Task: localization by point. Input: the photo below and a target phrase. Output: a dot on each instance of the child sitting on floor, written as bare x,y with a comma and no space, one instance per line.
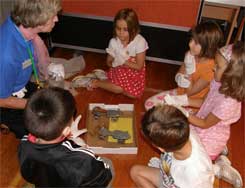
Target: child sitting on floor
183,163
220,108
195,74
47,158
126,59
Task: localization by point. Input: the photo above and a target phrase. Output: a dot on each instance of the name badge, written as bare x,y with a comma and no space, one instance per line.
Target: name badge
26,64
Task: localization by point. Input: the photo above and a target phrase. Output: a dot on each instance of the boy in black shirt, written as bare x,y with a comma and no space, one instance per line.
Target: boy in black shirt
47,158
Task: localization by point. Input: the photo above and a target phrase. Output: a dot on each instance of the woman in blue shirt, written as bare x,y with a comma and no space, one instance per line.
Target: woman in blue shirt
28,18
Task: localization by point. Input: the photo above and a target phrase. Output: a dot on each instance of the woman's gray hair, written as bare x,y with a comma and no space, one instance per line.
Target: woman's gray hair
32,13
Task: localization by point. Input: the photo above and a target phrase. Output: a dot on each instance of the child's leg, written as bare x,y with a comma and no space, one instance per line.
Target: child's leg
158,98
106,85
144,176
128,95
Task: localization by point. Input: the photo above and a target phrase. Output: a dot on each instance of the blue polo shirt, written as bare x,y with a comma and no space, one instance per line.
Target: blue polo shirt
15,63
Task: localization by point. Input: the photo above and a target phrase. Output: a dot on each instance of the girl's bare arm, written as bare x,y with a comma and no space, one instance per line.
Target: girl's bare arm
182,69
195,102
198,86
109,60
204,123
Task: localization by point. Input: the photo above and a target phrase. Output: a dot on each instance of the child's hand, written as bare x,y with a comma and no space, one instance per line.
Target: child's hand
176,100
131,60
75,132
118,61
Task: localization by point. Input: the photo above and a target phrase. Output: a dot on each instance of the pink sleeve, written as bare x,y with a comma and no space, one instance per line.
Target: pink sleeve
227,109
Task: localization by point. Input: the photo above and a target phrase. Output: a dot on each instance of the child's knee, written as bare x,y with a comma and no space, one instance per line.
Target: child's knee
135,171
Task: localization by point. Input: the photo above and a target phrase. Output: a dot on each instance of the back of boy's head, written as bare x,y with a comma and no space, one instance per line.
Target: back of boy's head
209,36
131,18
233,78
48,112
166,127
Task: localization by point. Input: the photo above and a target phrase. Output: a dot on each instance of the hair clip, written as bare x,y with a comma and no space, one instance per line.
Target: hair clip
226,52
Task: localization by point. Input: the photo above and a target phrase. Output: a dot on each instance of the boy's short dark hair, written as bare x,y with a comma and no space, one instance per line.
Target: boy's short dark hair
166,127
48,112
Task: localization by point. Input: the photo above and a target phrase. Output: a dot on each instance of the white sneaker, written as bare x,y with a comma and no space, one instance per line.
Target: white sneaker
91,75
81,81
223,159
227,172
100,74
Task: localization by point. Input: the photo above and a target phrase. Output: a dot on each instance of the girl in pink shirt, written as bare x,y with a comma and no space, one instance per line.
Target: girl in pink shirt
222,105
220,108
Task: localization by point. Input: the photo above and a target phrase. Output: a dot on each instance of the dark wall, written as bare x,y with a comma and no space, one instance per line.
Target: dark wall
93,33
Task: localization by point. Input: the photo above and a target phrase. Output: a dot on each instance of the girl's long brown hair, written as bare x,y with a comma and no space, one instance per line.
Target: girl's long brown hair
131,18
233,78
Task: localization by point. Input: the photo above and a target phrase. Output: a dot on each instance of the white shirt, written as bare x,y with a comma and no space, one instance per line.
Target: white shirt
121,54
195,171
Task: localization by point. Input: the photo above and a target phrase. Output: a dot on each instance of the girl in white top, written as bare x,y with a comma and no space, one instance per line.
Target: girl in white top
126,57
